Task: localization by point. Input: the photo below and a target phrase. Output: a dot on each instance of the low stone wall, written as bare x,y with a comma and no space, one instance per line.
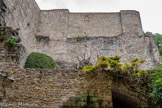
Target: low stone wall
43,88
50,88
54,88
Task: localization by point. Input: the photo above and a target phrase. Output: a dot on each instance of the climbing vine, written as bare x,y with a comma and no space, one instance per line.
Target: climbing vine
147,83
113,64
156,85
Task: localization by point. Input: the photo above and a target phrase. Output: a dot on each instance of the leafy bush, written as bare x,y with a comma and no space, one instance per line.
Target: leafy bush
156,85
113,64
88,69
108,62
160,51
159,40
39,60
11,42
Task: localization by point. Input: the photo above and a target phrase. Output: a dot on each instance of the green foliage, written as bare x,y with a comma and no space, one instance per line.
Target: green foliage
141,73
156,85
113,64
79,38
159,40
39,60
144,34
11,42
160,51
108,62
101,64
160,56
88,69
127,67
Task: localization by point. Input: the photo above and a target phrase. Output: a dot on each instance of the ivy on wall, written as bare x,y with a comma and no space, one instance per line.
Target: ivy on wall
149,82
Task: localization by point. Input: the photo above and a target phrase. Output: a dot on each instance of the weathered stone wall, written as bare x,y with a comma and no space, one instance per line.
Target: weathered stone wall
128,46
94,24
107,34
24,16
45,88
10,58
2,13
53,88
55,33
131,22
54,24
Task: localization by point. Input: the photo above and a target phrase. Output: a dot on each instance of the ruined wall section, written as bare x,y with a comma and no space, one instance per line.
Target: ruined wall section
101,34
54,23
152,52
128,46
52,33
55,33
23,15
2,13
94,24
131,22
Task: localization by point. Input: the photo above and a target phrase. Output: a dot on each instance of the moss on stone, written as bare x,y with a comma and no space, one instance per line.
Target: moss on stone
39,60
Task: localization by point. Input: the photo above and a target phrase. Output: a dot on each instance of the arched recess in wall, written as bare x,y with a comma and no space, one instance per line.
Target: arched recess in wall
124,100
124,97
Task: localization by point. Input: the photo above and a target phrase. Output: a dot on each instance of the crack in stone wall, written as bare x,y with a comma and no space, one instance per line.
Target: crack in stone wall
2,13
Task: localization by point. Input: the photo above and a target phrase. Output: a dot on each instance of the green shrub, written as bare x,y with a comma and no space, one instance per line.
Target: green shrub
113,64
39,60
88,69
160,51
11,42
156,85
159,40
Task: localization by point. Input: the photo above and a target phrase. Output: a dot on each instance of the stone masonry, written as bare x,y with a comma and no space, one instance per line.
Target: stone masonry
37,88
66,37
69,38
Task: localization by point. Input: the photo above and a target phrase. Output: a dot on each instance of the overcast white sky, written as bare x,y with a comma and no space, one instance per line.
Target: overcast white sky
150,10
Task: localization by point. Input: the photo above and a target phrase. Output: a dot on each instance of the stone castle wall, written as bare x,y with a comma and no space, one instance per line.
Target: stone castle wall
44,88
56,88
94,24
23,15
55,33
